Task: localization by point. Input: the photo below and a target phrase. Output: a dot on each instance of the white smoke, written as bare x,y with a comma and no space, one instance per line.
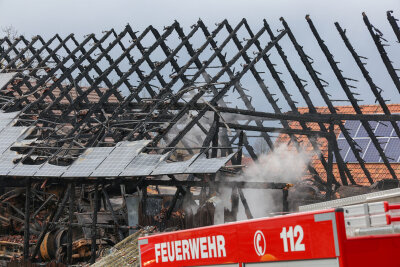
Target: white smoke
282,165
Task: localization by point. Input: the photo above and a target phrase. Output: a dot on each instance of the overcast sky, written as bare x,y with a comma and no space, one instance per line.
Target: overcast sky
47,17
85,16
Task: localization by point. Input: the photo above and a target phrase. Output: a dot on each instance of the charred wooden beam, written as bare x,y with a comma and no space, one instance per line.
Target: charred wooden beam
376,36
27,217
392,20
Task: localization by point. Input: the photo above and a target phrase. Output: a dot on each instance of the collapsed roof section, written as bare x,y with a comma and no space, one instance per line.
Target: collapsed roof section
84,100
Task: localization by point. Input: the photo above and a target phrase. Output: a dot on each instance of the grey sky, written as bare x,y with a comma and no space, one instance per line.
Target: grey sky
47,17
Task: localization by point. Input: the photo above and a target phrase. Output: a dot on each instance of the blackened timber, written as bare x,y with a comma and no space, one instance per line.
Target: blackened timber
71,187
306,117
34,71
94,223
113,214
311,108
132,61
275,130
225,89
99,79
51,74
350,96
253,185
132,69
214,150
22,52
81,75
175,98
368,78
245,204
330,178
230,73
385,58
27,217
286,95
10,48
164,95
313,74
392,20
55,215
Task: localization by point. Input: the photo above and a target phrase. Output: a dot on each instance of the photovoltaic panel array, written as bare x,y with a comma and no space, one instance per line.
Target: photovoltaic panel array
385,134
6,161
5,78
7,118
9,135
142,165
119,158
88,162
24,170
204,165
50,170
173,167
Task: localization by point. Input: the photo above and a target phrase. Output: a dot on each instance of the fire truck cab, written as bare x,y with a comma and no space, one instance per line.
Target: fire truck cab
359,235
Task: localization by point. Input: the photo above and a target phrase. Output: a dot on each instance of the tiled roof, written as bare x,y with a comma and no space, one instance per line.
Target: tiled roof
378,171
93,97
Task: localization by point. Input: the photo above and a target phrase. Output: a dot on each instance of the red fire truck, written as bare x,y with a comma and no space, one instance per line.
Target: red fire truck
360,235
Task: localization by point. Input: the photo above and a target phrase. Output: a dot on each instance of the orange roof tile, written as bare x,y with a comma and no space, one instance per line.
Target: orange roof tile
378,171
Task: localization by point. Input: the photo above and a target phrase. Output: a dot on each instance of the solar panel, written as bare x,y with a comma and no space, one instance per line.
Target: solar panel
362,132
50,170
9,135
173,167
384,129
362,143
142,165
352,127
394,133
5,78
204,165
7,118
87,162
24,170
136,144
6,161
372,155
117,160
343,148
392,150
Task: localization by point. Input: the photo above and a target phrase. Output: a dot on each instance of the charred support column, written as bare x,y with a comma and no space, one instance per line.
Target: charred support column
71,187
214,151
329,173
285,202
235,203
114,216
245,204
27,215
94,222
382,52
392,20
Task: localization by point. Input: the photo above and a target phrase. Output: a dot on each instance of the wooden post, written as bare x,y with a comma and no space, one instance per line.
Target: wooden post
114,216
245,204
94,222
285,202
27,215
71,187
330,177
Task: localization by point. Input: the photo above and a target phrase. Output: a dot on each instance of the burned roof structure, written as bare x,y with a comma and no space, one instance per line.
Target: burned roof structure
174,108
